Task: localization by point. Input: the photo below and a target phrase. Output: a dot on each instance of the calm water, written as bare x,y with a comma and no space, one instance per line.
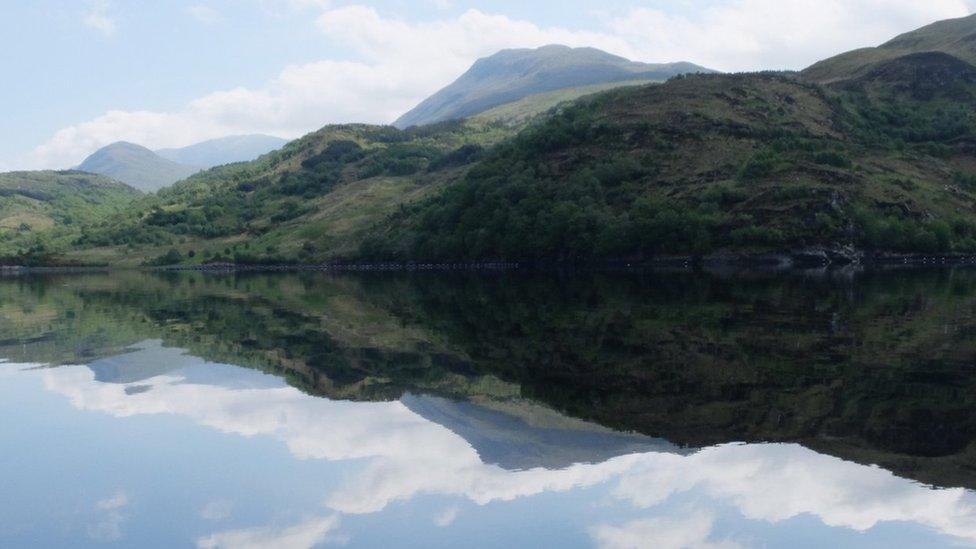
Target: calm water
664,410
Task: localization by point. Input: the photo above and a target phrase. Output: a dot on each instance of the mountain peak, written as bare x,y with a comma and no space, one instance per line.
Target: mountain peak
513,74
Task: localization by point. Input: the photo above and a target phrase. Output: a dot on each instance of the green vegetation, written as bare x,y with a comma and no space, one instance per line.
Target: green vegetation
748,162
313,200
754,163
42,212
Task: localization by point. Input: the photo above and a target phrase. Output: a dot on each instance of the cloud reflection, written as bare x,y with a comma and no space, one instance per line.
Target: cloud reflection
109,525
666,532
406,455
300,536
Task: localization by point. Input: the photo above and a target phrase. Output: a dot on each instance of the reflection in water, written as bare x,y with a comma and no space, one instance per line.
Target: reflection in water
407,389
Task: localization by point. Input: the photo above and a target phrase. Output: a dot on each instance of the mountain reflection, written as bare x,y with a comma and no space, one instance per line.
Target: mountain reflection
522,374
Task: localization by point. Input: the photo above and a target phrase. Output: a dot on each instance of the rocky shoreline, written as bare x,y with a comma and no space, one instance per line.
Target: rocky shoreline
800,259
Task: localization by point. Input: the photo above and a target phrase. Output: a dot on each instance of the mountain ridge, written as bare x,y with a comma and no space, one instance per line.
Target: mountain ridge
150,171
223,150
513,74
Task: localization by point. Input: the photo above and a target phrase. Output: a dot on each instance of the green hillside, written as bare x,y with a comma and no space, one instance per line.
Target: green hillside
702,165
37,208
956,37
314,200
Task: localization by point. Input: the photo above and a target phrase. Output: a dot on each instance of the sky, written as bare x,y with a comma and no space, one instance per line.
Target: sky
81,74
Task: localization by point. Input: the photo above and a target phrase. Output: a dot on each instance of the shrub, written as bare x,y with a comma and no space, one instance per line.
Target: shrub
757,235
172,257
833,158
762,164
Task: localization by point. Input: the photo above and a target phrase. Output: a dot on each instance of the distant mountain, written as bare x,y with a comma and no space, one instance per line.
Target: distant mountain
136,166
226,150
511,75
955,37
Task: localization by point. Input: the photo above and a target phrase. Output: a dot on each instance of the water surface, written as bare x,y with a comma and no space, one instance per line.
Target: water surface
667,410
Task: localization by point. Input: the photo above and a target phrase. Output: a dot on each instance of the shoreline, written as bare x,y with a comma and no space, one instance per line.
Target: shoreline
816,260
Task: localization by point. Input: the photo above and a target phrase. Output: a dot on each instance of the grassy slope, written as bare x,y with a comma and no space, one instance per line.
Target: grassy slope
953,36
49,207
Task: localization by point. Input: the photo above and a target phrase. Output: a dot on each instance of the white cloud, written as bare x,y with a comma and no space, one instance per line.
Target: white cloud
97,18
754,478
395,64
109,526
694,531
204,14
446,517
737,35
300,536
216,510
282,7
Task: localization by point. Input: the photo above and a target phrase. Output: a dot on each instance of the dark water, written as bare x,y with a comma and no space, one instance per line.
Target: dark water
627,410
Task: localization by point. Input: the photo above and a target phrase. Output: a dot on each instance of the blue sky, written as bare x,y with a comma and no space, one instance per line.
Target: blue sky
83,73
